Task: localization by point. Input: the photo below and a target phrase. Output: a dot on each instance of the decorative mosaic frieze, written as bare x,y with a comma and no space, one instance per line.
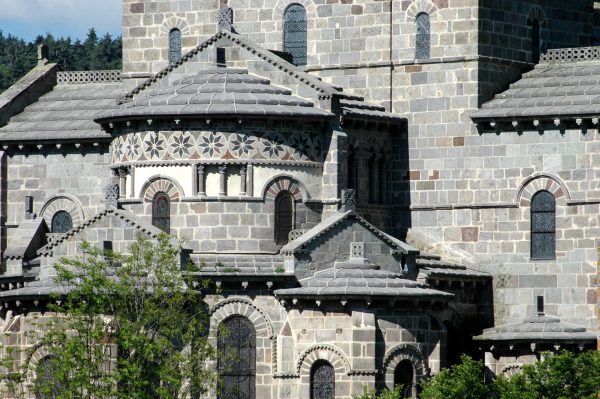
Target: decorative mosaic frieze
204,145
571,54
88,76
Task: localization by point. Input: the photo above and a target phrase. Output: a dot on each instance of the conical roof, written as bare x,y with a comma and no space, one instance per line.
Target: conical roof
219,91
360,279
538,328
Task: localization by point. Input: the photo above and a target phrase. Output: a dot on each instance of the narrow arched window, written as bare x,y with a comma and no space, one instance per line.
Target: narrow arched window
423,40
543,225
61,222
295,33
284,217
174,45
404,375
47,384
322,380
536,41
161,212
236,359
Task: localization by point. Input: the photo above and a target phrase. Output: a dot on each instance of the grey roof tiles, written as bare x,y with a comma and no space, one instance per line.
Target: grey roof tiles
348,280
538,328
216,92
65,113
566,89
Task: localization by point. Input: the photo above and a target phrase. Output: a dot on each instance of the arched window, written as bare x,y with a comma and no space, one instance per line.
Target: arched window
46,385
322,380
404,375
295,34
174,45
536,42
423,41
61,222
161,212
373,179
543,225
236,359
284,217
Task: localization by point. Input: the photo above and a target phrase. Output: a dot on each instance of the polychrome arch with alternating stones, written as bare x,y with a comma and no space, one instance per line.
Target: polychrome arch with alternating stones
162,184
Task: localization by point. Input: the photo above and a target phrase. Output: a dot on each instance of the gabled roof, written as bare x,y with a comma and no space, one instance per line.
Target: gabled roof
566,84
110,211
300,243
325,90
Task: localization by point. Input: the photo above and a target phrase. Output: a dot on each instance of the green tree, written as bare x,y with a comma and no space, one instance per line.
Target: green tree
462,381
557,376
126,326
396,393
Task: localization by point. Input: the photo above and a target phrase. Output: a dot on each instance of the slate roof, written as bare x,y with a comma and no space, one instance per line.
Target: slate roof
299,244
26,238
558,87
235,265
216,92
350,279
538,328
434,267
65,113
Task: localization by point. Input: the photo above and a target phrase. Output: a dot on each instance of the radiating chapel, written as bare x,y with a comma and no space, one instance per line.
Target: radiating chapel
371,187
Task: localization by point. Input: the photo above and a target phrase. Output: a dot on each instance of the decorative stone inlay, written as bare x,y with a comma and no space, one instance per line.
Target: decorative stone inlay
162,185
181,145
207,145
571,54
155,146
242,145
281,184
76,77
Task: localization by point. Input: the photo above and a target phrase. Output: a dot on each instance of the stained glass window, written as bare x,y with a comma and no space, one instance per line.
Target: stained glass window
423,42
161,212
46,385
174,45
322,380
284,217
61,222
295,33
543,226
236,361
403,375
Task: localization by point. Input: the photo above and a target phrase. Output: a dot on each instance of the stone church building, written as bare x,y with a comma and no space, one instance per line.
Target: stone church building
371,187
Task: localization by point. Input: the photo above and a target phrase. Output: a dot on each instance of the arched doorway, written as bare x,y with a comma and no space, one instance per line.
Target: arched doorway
404,375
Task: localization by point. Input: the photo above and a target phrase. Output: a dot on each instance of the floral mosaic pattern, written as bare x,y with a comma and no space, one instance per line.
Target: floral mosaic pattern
185,145
155,146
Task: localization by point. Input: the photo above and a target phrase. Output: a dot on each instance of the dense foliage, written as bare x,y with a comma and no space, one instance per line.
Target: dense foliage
556,376
462,381
560,376
18,57
396,393
127,326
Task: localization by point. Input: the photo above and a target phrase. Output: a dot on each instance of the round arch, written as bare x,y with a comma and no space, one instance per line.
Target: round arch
283,182
543,181
401,352
63,202
159,183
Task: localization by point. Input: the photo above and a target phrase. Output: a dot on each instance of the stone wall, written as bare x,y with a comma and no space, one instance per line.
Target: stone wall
485,218
57,180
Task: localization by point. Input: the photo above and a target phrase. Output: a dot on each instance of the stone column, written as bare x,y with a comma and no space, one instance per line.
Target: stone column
250,180
200,181
375,179
122,173
243,180
223,180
